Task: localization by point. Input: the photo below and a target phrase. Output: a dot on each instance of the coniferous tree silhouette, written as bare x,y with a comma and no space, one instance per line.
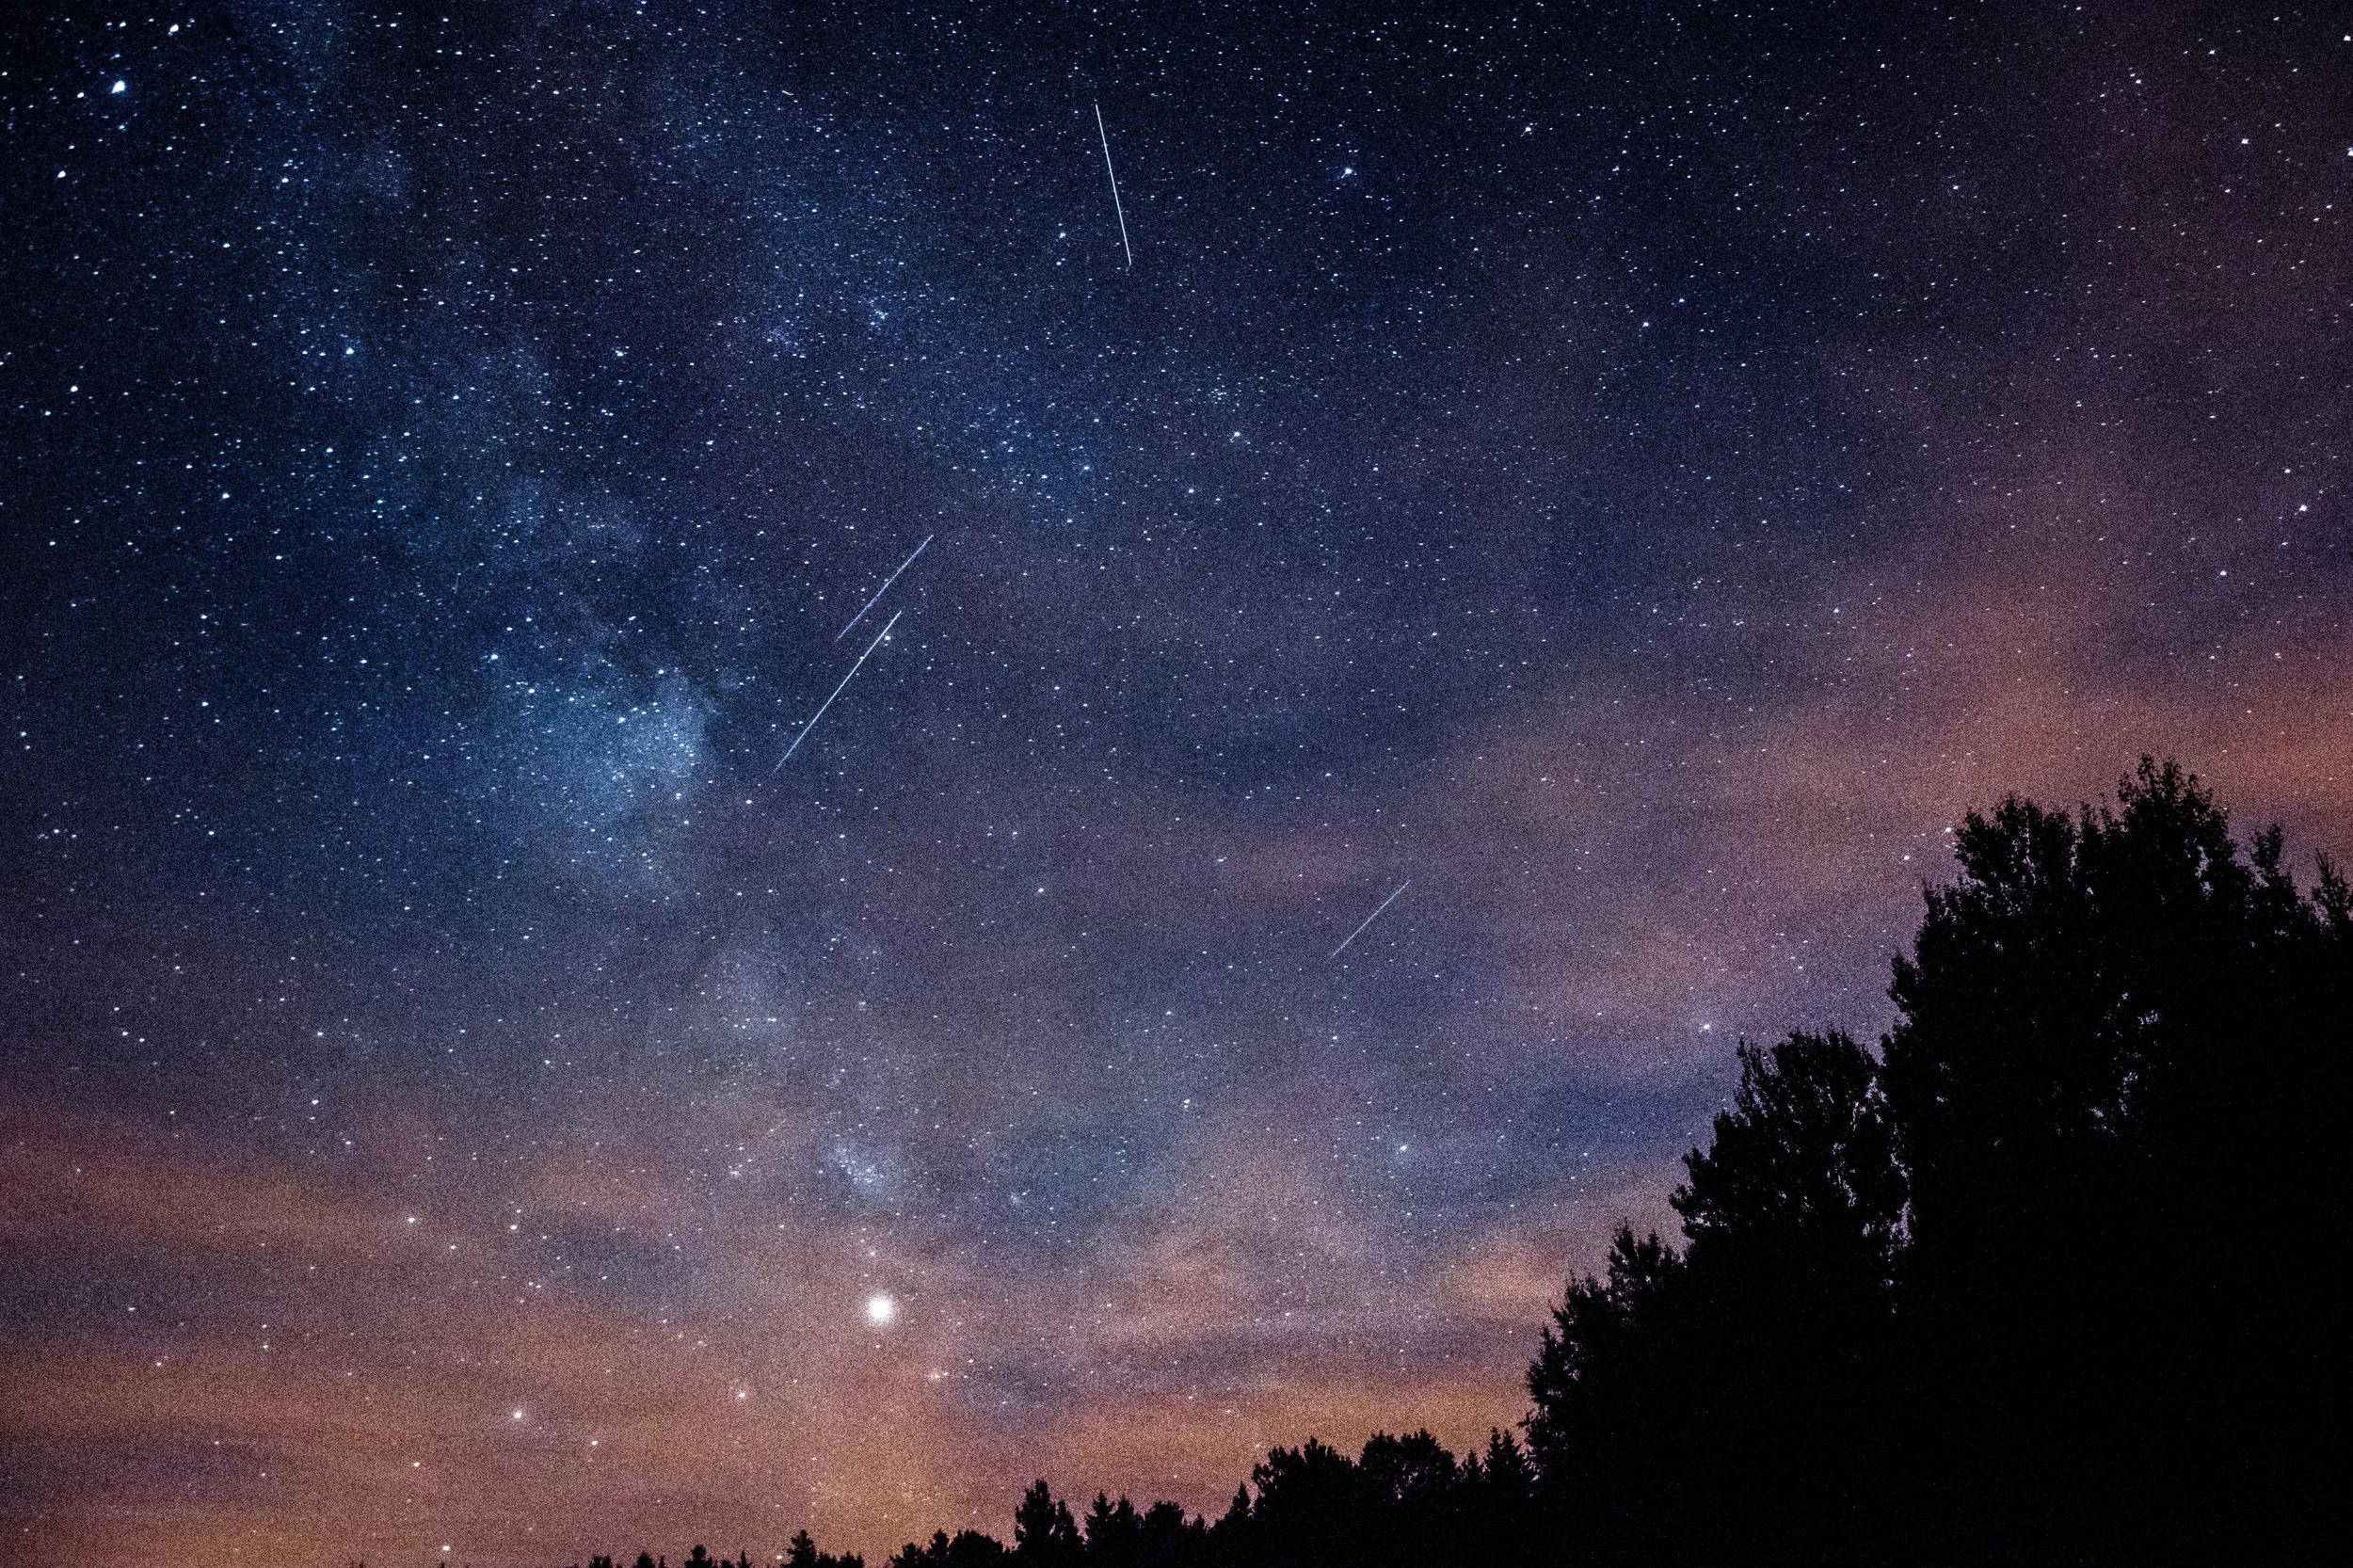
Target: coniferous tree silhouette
1044,1534
965,1549
1115,1534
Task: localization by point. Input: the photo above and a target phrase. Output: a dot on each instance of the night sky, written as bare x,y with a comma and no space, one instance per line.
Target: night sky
1622,480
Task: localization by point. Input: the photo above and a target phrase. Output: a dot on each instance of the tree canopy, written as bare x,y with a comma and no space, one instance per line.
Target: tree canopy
2044,1278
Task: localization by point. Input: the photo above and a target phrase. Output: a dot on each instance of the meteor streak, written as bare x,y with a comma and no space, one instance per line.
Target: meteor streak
1116,209
1370,918
837,692
884,589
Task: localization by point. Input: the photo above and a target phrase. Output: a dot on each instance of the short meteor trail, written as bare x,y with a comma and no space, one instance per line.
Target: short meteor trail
1117,208
884,589
837,692
1370,918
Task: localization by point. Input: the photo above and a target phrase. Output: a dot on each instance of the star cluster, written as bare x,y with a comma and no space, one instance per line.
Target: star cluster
1614,482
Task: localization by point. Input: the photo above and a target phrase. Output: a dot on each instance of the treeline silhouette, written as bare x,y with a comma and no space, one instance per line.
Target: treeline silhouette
2043,1279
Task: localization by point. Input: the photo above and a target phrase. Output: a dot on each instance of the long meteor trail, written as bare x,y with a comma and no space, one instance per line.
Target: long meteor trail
884,589
837,692
1370,918
1116,209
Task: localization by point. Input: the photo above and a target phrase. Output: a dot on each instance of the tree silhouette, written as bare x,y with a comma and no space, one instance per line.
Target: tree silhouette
1794,1217
2045,1280
966,1549
2116,1037
1607,1430
2035,1286
1114,1532
801,1552
1167,1539
1801,1171
1044,1534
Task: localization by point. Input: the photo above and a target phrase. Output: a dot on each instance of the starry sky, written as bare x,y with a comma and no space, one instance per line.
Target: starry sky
1615,483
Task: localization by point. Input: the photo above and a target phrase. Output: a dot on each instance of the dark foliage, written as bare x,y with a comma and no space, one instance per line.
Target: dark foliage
1725,1403
966,1549
2036,1285
2044,1280
2119,1045
1406,1500
1044,1533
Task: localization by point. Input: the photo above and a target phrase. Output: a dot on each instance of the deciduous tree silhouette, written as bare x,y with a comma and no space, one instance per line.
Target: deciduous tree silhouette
1793,1217
1608,1423
2113,1084
2047,1280
2042,1287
